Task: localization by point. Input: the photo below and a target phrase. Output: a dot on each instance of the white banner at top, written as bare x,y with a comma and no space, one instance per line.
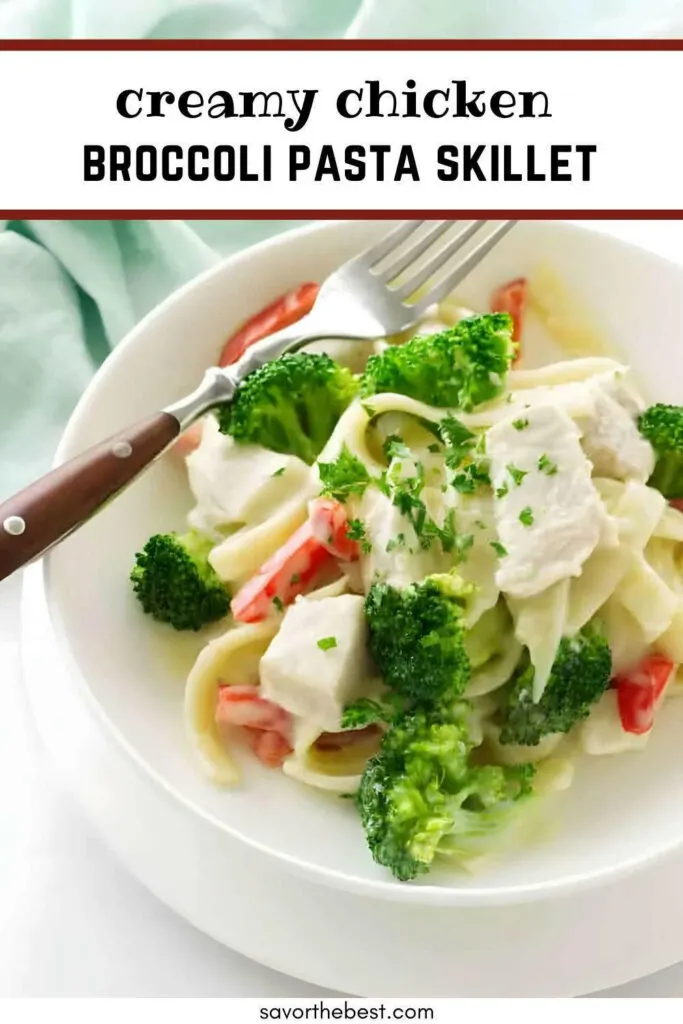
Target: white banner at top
311,131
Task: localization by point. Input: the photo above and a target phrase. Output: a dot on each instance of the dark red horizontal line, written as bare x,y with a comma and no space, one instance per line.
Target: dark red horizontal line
341,214
344,45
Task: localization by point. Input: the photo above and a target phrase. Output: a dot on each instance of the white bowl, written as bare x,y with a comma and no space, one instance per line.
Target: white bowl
621,813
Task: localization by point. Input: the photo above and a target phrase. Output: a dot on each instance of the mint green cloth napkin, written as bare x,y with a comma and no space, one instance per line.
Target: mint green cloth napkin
518,19
69,291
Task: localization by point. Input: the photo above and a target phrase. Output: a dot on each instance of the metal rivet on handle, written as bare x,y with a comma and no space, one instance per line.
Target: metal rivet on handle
14,525
122,449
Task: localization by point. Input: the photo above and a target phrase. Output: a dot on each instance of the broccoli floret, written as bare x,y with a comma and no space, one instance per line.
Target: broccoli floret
458,368
662,426
580,675
417,637
420,796
290,405
174,582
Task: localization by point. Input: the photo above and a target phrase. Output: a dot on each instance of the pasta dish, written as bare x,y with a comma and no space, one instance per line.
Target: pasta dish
431,577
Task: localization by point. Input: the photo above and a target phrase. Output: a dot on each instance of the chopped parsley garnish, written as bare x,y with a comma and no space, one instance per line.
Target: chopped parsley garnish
516,474
295,578
279,472
459,441
382,484
520,424
465,455
498,548
405,492
344,477
277,601
471,476
365,711
431,427
434,448
546,466
406,495
502,491
526,516
395,448
326,643
447,534
509,397
356,531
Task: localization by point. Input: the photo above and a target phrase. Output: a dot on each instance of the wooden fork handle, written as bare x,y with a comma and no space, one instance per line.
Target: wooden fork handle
51,508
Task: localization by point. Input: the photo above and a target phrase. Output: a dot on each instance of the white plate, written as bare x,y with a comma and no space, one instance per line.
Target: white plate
346,942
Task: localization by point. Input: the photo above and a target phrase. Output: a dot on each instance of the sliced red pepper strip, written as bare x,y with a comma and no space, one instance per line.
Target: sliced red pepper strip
330,525
512,298
285,575
285,310
301,560
639,690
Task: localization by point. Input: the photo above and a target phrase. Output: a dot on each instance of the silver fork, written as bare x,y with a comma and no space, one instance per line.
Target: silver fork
367,295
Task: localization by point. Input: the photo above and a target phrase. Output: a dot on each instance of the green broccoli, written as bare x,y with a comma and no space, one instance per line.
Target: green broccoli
580,674
290,405
174,582
417,637
420,796
662,426
458,368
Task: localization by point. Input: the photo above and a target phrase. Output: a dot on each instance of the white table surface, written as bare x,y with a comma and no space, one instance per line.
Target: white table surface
72,921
